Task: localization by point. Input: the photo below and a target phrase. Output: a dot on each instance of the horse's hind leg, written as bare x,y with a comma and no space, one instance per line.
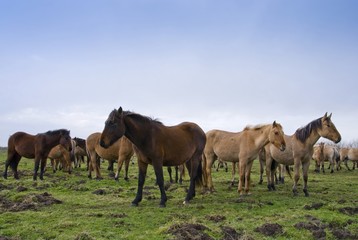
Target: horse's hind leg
12,161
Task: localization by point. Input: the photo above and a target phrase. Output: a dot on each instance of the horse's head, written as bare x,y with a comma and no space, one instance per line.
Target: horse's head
329,130
65,140
114,128
276,136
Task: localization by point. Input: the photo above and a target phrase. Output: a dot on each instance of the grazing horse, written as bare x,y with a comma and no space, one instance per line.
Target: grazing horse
349,154
22,144
242,147
121,150
59,154
299,150
159,146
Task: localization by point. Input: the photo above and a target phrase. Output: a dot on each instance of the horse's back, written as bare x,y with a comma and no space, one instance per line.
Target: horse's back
284,157
225,145
353,154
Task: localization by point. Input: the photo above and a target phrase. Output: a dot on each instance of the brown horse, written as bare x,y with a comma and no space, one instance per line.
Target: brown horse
59,154
299,150
349,154
159,146
79,151
242,147
121,150
22,144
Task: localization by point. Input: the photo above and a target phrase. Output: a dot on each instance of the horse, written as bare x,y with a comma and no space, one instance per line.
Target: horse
121,150
329,154
38,146
242,147
80,151
158,145
349,154
299,150
59,154
179,174
281,169
317,156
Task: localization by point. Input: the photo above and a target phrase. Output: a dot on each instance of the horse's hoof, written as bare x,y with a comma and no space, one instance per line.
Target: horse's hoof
162,205
186,202
126,179
134,204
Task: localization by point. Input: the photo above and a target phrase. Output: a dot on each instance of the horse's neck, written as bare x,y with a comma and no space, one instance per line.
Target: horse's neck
312,139
52,141
137,132
263,138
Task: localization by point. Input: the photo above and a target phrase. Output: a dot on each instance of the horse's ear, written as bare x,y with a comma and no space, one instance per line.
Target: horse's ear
274,124
325,115
120,110
330,115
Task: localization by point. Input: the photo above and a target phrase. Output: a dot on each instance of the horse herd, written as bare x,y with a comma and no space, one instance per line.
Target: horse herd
127,133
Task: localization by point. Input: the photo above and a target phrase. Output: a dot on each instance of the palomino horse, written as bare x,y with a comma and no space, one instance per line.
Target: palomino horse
121,150
242,147
299,150
59,154
349,154
159,146
317,156
38,146
329,154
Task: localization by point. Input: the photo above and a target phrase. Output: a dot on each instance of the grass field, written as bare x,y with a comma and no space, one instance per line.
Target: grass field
64,206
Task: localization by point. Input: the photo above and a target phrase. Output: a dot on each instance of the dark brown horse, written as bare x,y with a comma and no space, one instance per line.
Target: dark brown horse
159,146
22,144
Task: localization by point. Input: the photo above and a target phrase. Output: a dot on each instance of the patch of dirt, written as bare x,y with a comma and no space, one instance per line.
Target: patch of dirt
349,210
317,228
118,215
215,218
99,192
189,231
231,234
270,229
21,189
313,206
28,202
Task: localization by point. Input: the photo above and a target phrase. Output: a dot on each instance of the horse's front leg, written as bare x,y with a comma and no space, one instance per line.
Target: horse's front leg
142,172
36,169
296,176
305,167
158,169
241,169
42,166
247,177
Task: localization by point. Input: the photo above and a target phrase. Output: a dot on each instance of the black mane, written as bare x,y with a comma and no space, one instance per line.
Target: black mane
141,117
304,132
59,131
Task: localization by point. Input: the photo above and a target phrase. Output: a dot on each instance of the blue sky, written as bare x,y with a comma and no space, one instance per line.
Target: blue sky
222,64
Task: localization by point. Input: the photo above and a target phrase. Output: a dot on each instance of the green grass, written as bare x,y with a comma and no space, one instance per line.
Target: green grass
86,215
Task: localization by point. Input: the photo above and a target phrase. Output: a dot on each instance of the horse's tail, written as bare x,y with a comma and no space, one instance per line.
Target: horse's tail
199,175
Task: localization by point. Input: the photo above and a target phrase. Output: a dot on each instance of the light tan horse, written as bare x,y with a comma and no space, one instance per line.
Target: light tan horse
59,154
121,150
329,154
349,154
317,156
299,149
242,147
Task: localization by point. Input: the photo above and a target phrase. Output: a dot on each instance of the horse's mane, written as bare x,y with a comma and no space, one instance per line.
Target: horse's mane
256,127
140,117
304,132
58,131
